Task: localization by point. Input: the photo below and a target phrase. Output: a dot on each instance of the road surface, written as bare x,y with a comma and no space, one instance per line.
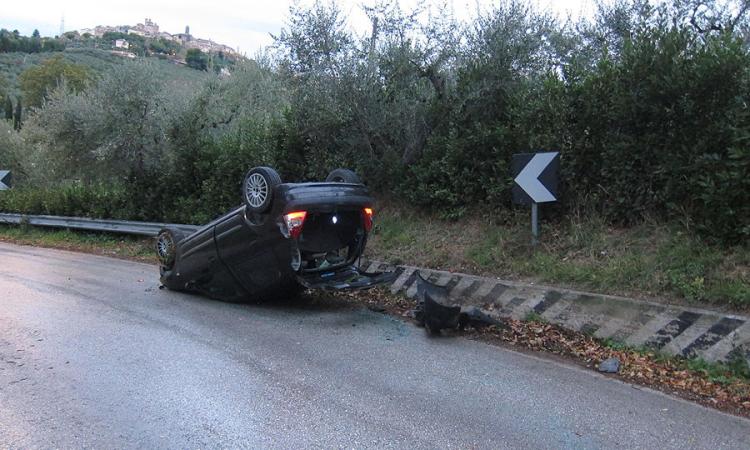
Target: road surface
93,354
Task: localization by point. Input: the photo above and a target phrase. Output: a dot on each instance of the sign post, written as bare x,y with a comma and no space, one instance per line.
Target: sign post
536,177
5,180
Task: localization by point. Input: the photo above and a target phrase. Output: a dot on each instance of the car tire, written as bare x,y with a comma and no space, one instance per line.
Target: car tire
343,176
166,246
258,187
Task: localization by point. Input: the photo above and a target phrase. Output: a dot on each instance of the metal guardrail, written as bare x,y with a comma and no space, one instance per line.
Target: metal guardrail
80,223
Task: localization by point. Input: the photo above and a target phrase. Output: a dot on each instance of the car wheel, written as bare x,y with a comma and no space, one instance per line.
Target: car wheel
257,188
166,246
343,176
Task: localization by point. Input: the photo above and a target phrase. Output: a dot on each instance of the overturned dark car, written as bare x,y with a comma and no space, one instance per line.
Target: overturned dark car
285,237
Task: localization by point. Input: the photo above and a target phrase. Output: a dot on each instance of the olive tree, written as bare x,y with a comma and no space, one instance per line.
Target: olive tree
37,81
115,129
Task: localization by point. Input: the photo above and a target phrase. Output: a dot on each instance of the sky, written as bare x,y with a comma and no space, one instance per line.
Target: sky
246,25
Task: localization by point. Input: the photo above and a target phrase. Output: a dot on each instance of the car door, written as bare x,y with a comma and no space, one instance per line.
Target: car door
249,251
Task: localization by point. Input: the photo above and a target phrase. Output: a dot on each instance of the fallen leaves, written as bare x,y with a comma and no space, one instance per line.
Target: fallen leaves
643,368
647,369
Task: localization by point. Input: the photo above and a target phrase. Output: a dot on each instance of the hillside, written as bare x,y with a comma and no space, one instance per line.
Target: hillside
13,64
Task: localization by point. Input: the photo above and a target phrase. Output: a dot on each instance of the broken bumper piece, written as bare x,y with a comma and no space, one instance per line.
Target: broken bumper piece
349,278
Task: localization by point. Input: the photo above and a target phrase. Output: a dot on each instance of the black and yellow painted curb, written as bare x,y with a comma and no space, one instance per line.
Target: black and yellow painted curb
671,329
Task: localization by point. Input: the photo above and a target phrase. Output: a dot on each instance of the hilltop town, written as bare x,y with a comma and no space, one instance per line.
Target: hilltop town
150,30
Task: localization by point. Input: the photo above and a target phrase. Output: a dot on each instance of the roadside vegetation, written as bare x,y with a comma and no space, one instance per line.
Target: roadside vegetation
646,101
649,260
105,244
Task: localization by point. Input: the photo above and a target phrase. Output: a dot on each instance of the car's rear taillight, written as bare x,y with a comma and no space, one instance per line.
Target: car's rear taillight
367,218
294,222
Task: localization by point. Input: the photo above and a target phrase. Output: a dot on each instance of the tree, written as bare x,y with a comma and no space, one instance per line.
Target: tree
38,81
315,39
17,116
8,108
3,87
14,42
196,59
114,130
164,46
35,43
12,152
135,123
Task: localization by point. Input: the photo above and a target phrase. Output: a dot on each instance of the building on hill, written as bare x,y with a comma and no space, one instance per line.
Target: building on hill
148,29
225,49
209,46
151,28
99,30
204,45
169,37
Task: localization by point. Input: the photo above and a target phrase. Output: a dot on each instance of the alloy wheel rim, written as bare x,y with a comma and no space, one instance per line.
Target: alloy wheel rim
256,190
164,247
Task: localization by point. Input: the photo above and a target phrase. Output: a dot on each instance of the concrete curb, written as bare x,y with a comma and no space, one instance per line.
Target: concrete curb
675,330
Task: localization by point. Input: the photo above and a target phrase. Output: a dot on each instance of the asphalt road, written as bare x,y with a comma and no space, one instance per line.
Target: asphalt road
93,354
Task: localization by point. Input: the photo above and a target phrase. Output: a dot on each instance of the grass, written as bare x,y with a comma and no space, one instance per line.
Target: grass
718,372
533,316
649,260
106,244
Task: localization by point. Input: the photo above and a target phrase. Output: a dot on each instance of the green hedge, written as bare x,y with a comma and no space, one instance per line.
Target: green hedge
96,201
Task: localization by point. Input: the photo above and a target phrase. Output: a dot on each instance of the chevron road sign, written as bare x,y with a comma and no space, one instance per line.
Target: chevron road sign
535,176
4,179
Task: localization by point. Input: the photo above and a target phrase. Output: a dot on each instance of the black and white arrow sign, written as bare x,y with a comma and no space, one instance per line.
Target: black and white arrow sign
535,176
4,180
